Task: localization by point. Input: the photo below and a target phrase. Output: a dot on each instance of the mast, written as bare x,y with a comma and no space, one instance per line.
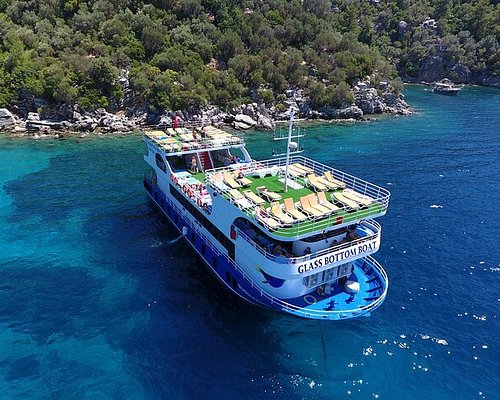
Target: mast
290,128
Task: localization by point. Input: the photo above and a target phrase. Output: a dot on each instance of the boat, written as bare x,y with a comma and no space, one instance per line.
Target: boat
447,87
289,233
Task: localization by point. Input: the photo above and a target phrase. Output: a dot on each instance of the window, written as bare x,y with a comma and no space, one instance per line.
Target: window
160,162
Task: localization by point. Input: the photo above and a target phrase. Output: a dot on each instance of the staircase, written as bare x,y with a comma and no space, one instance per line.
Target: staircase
205,160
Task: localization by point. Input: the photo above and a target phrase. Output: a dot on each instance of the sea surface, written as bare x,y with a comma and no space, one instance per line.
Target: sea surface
95,304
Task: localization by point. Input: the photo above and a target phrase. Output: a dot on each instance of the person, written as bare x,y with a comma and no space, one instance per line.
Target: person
277,249
321,290
352,235
203,133
234,159
334,243
194,164
307,251
194,133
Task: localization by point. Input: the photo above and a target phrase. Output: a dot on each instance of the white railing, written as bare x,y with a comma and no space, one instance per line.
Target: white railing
379,195
372,225
198,144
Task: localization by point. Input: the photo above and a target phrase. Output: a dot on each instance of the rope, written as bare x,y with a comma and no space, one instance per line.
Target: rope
323,345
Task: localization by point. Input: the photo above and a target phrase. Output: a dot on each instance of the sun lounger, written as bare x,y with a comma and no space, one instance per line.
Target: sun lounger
290,209
271,196
313,181
218,182
346,201
327,183
253,197
278,213
329,177
358,198
297,171
240,200
241,179
171,131
308,209
307,170
291,172
175,146
263,217
229,180
324,202
313,202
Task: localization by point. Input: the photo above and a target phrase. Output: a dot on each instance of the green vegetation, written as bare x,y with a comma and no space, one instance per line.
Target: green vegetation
183,54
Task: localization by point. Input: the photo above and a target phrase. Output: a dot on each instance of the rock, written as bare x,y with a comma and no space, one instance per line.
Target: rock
165,120
265,122
7,120
249,110
350,112
241,125
33,116
245,119
369,101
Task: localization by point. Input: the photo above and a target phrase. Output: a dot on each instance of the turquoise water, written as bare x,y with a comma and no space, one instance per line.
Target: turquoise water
95,304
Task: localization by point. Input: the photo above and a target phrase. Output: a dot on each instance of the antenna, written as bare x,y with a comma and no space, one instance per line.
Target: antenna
292,147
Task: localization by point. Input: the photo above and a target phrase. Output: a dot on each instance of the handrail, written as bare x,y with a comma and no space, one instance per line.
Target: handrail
298,259
352,182
288,306
312,224
197,144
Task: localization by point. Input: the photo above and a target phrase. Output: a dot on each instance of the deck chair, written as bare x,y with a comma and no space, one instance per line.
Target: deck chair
278,213
296,170
292,172
218,182
313,181
307,170
313,202
324,202
243,181
263,217
327,183
329,177
308,209
253,197
290,209
271,196
339,196
240,200
358,198
229,180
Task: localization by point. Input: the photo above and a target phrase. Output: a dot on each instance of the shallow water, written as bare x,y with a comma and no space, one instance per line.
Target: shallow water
94,303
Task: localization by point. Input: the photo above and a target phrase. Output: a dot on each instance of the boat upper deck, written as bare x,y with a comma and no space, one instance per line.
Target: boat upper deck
318,197
184,140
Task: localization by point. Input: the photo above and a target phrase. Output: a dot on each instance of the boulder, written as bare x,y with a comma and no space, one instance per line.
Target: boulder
245,119
33,116
369,101
249,110
350,112
241,125
7,120
265,122
165,120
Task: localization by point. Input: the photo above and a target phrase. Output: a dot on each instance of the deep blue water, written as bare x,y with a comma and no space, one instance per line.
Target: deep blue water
94,304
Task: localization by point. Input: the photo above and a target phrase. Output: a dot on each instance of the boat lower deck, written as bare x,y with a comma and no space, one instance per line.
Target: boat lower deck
339,304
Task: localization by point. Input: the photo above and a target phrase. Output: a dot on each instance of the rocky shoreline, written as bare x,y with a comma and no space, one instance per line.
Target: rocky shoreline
369,99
